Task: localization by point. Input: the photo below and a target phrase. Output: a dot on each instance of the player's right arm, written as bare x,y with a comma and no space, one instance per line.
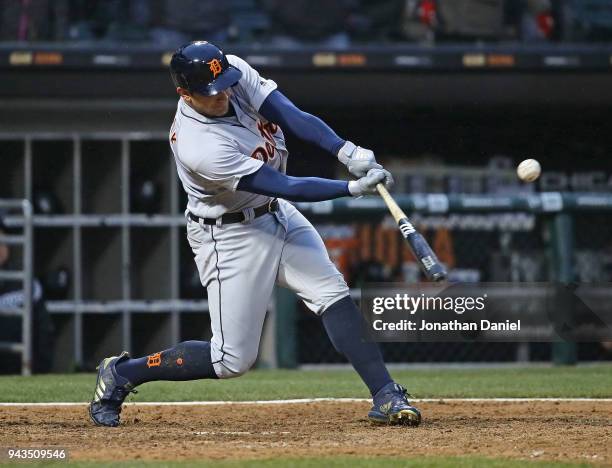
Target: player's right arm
272,183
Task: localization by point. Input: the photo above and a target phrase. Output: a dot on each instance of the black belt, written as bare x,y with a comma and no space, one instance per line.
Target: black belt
237,217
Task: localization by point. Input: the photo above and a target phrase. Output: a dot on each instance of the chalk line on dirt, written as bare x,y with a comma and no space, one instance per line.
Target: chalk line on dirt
317,400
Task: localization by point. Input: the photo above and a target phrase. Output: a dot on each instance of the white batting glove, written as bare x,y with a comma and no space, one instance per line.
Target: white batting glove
368,183
358,160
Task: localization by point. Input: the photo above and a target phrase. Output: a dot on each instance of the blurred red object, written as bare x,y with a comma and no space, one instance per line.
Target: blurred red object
427,13
546,23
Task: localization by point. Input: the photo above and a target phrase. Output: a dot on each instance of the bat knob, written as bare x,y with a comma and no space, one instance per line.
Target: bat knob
438,276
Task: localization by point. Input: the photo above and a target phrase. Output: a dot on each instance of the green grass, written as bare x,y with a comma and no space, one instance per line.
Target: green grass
335,462
588,381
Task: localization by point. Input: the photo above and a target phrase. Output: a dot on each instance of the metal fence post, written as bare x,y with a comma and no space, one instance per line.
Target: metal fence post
563,353
28,270
286,333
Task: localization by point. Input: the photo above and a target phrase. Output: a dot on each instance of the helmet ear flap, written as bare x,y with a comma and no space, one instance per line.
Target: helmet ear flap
184,83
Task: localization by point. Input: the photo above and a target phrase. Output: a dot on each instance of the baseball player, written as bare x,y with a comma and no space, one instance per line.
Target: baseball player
228,143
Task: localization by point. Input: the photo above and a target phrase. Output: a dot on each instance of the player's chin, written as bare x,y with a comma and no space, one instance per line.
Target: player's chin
221,109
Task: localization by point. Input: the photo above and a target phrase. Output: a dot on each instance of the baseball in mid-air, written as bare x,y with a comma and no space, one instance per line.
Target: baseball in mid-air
529,170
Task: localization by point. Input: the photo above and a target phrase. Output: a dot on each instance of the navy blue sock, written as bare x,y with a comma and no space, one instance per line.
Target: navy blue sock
342,321
189,360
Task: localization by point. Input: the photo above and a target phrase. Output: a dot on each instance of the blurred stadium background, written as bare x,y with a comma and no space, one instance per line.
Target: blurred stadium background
450,94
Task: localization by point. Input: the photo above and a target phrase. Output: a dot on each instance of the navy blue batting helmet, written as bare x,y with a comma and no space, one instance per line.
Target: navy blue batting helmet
203,68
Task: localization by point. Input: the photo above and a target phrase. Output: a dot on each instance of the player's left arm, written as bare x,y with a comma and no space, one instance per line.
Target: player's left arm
277,108
264,96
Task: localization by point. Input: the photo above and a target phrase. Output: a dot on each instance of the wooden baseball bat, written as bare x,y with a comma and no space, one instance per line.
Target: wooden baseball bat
430,264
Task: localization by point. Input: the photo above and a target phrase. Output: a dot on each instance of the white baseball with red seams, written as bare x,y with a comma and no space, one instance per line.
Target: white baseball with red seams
529,170
240,263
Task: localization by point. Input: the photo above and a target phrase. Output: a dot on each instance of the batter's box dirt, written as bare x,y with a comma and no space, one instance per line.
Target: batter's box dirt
576,431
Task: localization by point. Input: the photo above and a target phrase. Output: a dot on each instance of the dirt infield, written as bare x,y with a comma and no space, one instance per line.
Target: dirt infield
576,431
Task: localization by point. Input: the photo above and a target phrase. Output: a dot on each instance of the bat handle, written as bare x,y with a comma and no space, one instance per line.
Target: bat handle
394,208
382,189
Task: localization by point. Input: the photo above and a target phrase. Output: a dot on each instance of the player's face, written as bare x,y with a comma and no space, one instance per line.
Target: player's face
211,106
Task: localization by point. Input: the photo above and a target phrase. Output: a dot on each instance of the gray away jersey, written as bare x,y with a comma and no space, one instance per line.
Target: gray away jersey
212,154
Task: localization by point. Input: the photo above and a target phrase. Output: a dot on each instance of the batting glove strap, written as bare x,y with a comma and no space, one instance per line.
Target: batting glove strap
344,154
358,160
354,188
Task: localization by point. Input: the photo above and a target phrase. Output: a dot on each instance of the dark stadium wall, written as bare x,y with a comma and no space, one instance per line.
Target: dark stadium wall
462,117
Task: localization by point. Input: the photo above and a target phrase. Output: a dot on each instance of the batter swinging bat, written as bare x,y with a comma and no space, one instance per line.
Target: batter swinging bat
430,264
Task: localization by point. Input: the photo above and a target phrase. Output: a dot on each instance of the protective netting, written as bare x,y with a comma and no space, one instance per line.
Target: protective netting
495,247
